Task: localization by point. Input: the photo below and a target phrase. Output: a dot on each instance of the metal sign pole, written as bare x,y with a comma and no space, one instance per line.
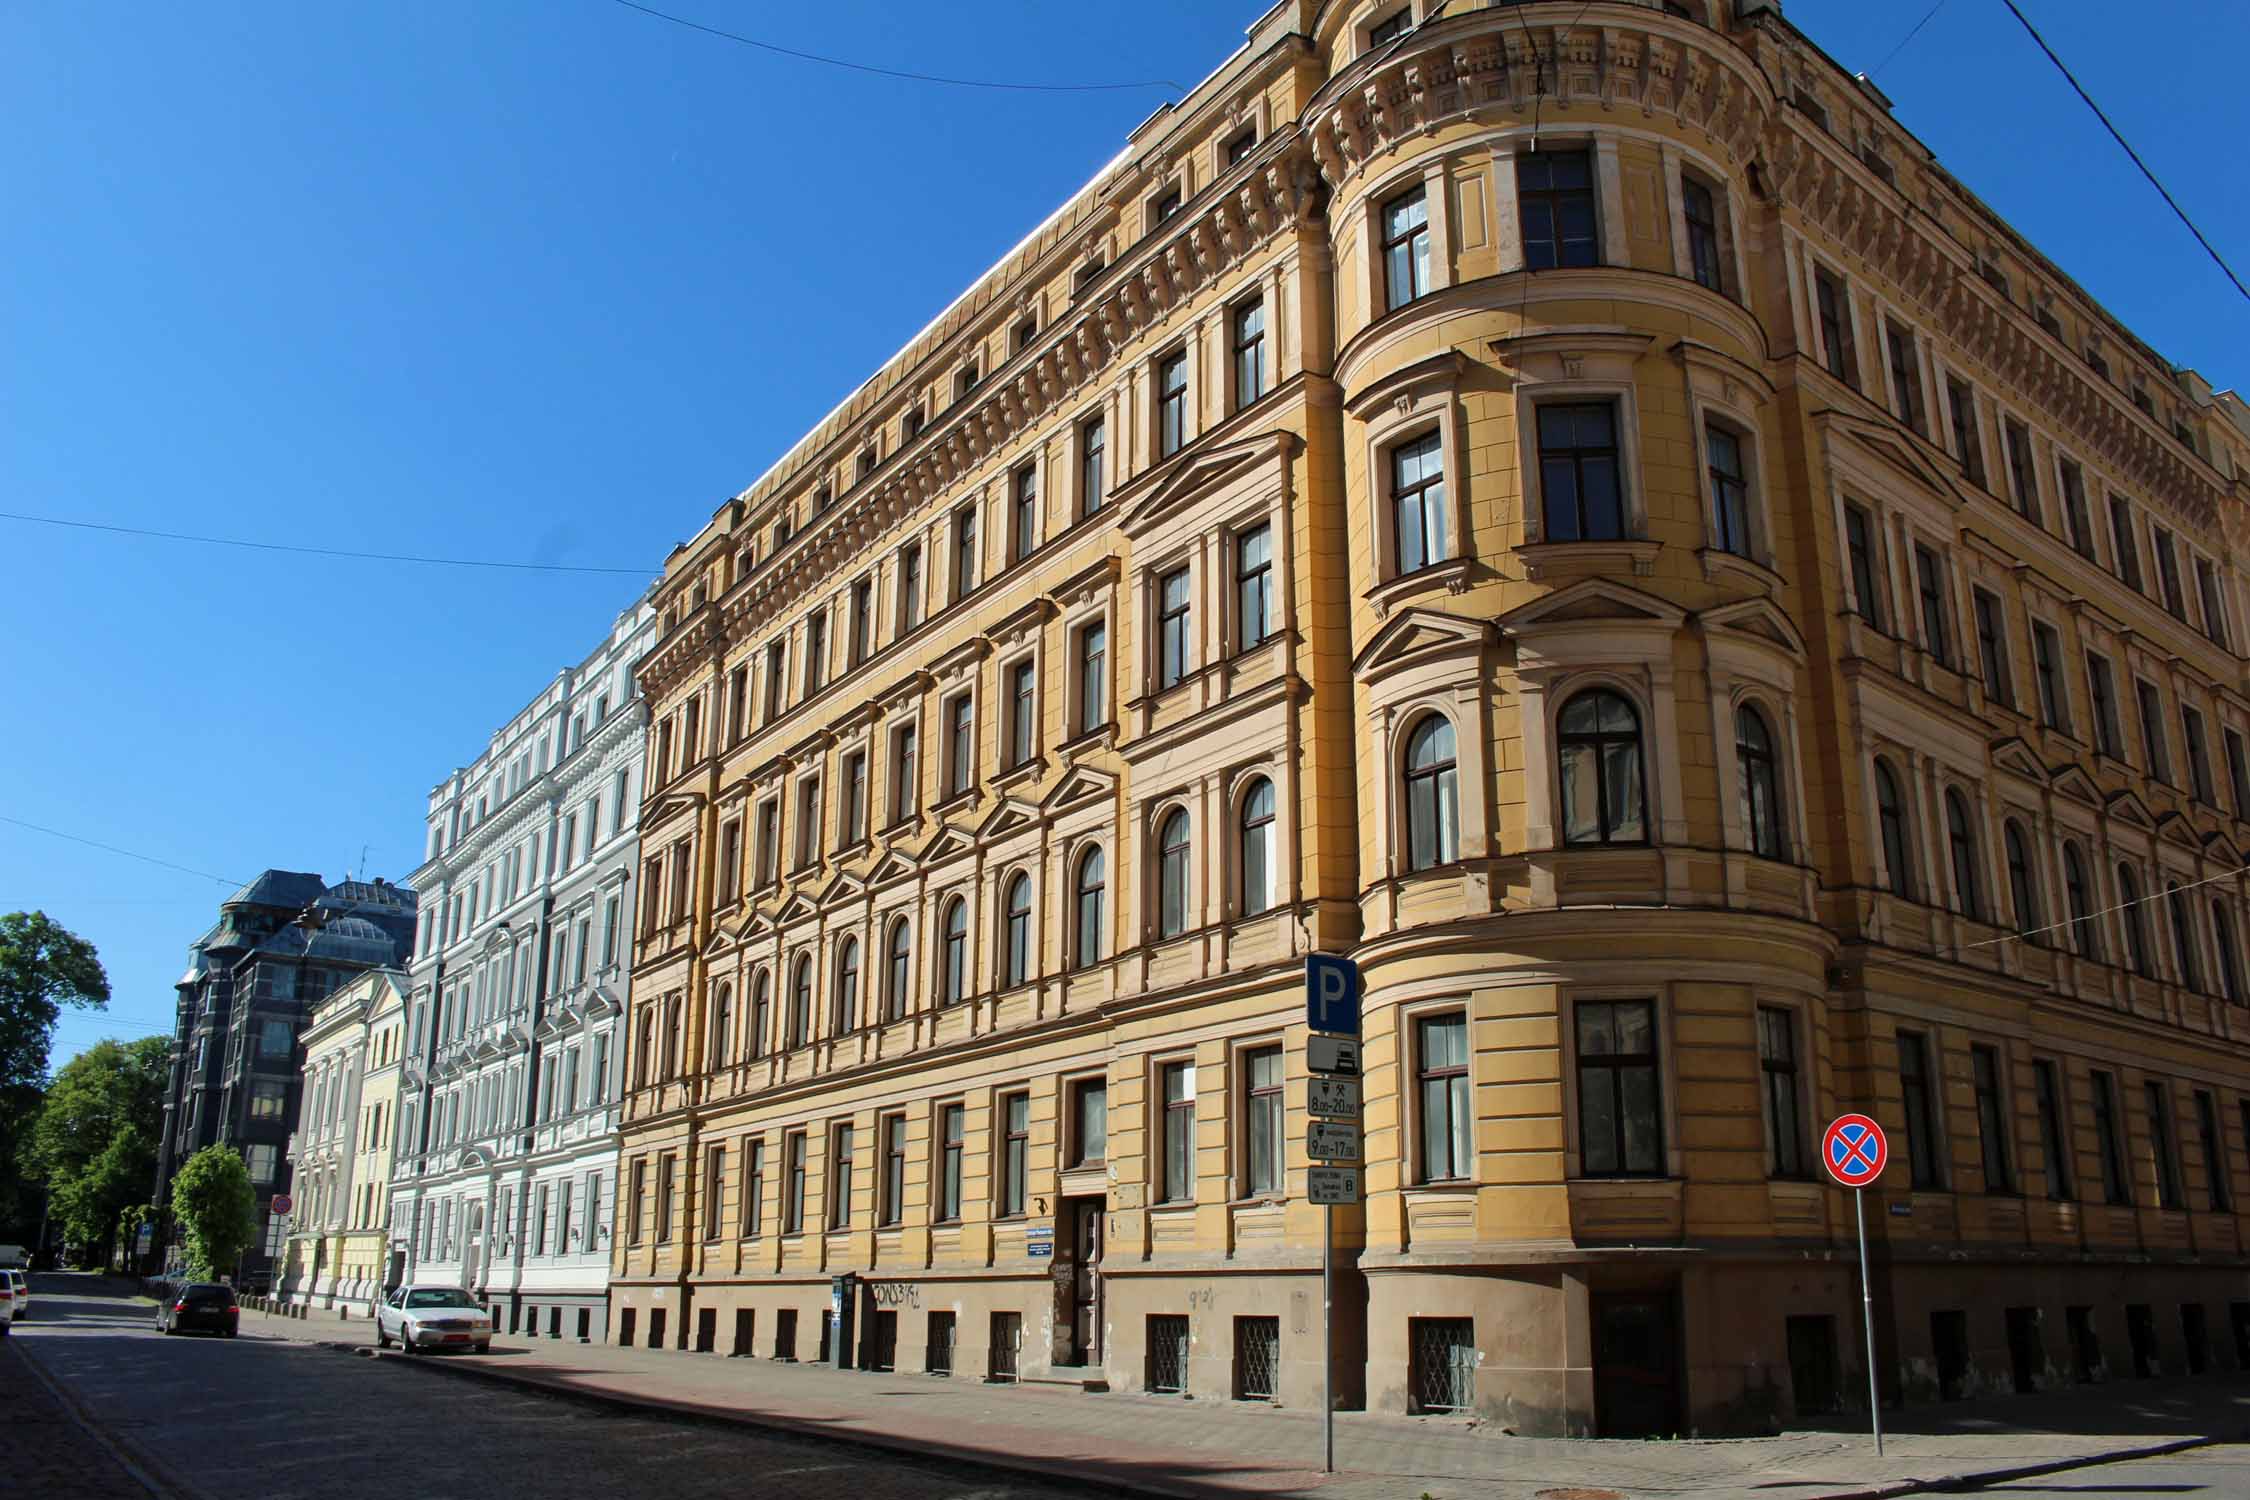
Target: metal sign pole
1867,1309
1328,1338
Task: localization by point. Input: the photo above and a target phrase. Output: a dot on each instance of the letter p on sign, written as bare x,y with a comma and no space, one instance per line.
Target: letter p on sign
1331,994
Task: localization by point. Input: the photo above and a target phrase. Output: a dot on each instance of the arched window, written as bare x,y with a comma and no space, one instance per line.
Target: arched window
761,1012
2136,921
898,978
722,1023
1761,784
2023,885
1961,844
2183,936
2230,961
672,1037
2085,937
800,1002
1172,874
1093,892
953,984
1257,848
843,1006
1015,932
1433,796
1602,801
1890,812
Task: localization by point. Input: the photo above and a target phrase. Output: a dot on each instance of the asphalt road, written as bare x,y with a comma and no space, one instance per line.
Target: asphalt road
2220,1472
218,1419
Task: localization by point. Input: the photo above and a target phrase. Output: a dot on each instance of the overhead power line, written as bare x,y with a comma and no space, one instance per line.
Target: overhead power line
228,541
860,67
113,849
2119,137
1891,55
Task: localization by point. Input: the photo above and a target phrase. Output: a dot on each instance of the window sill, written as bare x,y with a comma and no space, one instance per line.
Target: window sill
1098,736
1452,575
1016,775
955,800
1541,559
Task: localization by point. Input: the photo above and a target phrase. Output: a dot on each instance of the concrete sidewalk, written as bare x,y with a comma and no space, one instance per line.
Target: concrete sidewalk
1169,1446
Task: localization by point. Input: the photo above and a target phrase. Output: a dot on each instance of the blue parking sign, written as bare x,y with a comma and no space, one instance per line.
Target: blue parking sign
1331,994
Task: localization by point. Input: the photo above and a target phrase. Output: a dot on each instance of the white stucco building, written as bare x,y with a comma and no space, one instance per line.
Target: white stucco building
505,1179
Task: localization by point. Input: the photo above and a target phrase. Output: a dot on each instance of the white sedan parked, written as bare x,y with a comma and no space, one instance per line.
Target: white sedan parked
432,1317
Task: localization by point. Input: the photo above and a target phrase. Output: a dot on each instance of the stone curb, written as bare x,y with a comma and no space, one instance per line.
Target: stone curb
1087,1479
1980,1478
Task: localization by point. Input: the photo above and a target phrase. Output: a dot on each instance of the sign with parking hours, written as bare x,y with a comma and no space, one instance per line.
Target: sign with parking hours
1332,1097
1332,1140
1332,1185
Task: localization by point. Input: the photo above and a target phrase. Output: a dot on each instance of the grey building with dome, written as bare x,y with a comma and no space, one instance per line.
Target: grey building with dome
280,945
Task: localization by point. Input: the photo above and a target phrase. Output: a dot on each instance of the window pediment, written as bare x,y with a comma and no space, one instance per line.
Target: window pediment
1761,620
947,843
1081,784
1012,814
1414,636
1407,388
2073,782
2016,757
843,888
1588,351
1085,586
959,664
1022,626
1592,599
1846,437
1171,488
799,908
2127,807
895,864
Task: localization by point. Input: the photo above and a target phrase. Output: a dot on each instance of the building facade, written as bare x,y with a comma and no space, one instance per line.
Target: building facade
504,1182
337,1252
282,944
1572,507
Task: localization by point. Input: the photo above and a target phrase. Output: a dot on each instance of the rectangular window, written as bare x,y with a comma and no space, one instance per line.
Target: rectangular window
1241,144
863,620
2023,482
808,822
1393,26
714,1174
840,1145
2054,1141
753,1188
1093,677
952,1132
1555,206
1699,207
1406,249
793,1187
1929,588
2166,1160
1264,1143
1583,496
268,1100
2116,1186
1026,511
768,852
1906,378
1093,456
1418,510
1176,1160
1968,439
2101,687
2238,772
1992,648
960,745
1249,352
1620,1123
905,774
909,588
1023,737
636,1224
892,1207
1777,1063
2046,665
854,830
2214,1152
1089,1122
2214,603
1171,405
738,703
1992,1120
2121,539
2152,729
664,1175
2074,509
2168,574
964,551
2198,755
1921,1119
730,862
1730,489
1253,584
1172,654
1834,305
1015,1153
1859,541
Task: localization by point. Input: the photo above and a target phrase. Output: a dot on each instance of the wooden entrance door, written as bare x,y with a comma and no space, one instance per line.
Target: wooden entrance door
1086,1281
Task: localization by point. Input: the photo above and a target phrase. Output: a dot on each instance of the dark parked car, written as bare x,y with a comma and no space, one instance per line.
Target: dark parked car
204,1305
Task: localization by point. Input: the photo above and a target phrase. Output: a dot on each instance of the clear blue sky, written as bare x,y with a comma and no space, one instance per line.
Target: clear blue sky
547,281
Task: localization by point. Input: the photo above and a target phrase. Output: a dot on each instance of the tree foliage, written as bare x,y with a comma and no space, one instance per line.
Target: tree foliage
216,1209
44,966
94,1141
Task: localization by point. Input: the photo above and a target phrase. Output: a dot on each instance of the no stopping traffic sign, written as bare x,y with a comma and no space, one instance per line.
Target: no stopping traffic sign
1854,1151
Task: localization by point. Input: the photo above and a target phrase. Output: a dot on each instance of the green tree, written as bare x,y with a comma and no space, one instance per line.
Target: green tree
94,1141
216,1209
44,966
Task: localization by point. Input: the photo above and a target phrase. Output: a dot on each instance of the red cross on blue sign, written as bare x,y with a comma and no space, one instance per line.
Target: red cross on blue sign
1854,1151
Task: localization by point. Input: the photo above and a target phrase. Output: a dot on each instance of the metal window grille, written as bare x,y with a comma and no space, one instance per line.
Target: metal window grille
1257,1358
1167,1352
1007,1333
941,1343
1443,1353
